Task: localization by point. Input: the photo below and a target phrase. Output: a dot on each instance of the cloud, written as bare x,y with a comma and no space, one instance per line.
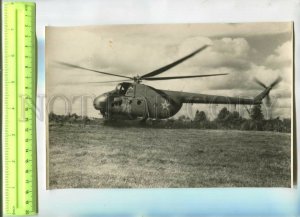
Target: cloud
282,56
236,47
224,52
244,79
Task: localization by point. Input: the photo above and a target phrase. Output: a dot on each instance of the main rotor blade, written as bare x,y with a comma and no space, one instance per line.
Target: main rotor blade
92,70
173,64
104,82
181,77
94,82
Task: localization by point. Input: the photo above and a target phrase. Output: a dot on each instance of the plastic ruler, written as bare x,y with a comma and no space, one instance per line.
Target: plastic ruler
19,99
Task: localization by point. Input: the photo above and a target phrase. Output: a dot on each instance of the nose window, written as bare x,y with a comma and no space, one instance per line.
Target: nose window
101,99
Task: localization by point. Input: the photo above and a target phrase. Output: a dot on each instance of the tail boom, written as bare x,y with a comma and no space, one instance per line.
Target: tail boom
184,97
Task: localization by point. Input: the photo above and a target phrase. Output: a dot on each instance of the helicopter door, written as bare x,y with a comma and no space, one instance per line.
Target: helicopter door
139,107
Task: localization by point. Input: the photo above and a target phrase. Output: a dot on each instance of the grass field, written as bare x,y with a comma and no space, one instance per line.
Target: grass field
97,156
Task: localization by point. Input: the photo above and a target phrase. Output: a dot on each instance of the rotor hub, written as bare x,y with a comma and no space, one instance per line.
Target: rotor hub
137,79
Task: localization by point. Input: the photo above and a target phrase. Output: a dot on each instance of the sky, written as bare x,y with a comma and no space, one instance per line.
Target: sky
244,51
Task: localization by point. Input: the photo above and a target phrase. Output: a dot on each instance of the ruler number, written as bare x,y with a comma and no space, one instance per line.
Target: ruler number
20,178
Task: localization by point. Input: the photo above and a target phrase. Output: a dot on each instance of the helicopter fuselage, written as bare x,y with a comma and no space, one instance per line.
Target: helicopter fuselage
137,101
134,100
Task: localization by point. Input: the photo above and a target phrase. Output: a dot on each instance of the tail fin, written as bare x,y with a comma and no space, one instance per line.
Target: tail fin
262,95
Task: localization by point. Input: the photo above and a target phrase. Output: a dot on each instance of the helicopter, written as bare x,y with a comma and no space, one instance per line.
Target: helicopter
132,100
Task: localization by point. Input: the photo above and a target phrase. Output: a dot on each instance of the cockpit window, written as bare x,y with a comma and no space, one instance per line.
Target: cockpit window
122,88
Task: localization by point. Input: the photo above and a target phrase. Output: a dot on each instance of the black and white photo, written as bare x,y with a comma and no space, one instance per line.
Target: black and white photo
170,106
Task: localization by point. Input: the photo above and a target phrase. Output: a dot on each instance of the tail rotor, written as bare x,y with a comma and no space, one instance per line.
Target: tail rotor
265,93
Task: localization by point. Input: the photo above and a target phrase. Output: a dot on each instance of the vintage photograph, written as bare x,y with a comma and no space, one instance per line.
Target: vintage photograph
170,105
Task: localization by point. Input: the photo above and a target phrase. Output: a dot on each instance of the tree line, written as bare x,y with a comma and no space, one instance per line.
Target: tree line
233,120
224,120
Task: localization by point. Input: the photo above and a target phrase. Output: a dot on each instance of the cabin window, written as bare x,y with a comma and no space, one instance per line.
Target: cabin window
139,102
130,91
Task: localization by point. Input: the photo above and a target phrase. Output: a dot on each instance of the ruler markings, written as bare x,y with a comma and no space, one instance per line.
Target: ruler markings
20,182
